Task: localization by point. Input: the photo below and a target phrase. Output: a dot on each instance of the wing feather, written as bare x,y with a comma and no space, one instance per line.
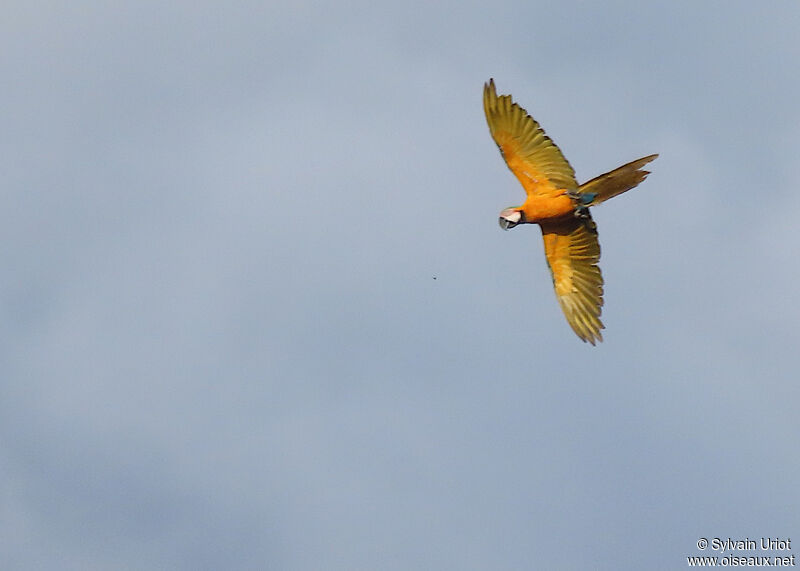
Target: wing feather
530,154
573,252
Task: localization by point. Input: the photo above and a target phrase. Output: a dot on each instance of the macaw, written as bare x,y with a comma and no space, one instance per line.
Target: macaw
559,206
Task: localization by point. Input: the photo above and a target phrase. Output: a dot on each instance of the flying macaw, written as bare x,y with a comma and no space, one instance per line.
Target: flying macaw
560,206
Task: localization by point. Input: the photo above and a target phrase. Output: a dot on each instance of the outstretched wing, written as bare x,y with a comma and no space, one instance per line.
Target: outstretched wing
573,251
530,154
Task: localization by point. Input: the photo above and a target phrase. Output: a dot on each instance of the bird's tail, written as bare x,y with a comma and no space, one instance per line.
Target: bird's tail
616,182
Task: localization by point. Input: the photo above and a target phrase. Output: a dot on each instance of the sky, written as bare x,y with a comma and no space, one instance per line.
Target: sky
256,311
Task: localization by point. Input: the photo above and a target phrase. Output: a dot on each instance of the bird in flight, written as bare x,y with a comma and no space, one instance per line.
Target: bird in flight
560,206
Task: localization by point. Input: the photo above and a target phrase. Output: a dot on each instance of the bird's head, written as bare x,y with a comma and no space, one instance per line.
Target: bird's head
510,217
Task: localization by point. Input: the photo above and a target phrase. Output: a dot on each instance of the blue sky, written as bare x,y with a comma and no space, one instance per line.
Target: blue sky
222,346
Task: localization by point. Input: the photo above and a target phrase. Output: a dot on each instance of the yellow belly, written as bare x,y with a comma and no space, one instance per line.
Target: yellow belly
539,208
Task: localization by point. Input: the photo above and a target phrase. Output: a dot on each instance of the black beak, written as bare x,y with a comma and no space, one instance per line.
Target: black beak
506,224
